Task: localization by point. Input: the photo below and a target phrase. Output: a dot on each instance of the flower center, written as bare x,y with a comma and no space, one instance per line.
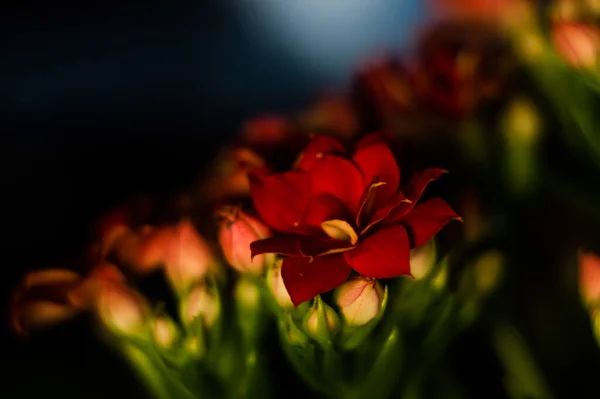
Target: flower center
340,230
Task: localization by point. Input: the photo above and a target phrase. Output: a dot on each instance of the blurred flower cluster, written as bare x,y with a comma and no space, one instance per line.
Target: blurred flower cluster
370,232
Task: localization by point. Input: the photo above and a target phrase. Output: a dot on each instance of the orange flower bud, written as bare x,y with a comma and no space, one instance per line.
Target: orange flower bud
360,300
589,277
577,43
121,309
200,304
42,299
236,232
165,332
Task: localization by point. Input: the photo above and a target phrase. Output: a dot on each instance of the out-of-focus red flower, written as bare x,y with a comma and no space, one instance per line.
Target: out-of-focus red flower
577,43
229,177
589,277
488,10
48,297
339,211
267,133
388,85
333,115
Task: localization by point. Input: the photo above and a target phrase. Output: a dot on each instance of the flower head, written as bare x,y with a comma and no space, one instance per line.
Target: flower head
339,211
121,309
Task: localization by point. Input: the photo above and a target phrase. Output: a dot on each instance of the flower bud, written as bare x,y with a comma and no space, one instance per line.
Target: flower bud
596,324
422,260
522,123
359,300
321,321
42,300
236,232
589,277
488,270
277,287
122,310
165,332
577,43
247,293
188,257
200,304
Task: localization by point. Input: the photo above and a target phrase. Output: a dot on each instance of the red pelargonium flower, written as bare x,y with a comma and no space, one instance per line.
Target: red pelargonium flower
337,212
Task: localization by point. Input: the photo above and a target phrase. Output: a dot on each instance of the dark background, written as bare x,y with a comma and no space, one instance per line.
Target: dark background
100,102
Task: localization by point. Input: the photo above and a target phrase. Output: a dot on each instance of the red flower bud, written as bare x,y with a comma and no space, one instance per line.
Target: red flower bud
578,44
589,277
236,232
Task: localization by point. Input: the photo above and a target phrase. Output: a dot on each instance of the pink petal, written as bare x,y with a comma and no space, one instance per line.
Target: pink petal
384,254
280,199
304,279
338,177
318,147
376,161
427,219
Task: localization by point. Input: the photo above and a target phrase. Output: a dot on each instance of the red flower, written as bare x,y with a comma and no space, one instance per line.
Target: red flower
337,212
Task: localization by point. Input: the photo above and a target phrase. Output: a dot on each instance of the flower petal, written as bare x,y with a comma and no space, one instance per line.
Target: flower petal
298,245
322,208
427,219
399,207
419,181
304,279
318,147
338,177
365,207
384,254
280,244
280,199
340,230
376,161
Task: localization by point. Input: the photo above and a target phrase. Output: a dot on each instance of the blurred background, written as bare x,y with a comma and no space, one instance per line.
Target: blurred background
103,102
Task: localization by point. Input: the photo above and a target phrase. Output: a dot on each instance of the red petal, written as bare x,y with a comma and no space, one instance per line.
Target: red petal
366,203
427,219
322,208
280,199
419,181
280,244
384,212
376,161
398,209
304,279
338,177
384,254
318,147
297,245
